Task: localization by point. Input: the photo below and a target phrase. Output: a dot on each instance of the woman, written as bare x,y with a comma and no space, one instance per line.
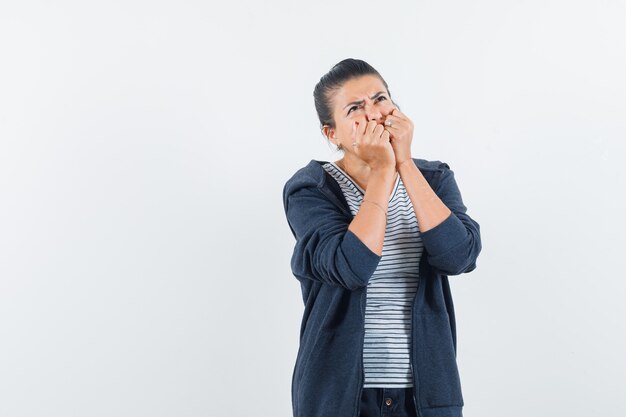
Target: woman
377,232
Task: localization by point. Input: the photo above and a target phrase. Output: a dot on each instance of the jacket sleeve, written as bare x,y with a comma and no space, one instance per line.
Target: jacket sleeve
454,244
325,250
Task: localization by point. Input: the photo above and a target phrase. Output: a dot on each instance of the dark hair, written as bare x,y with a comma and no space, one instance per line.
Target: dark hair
333,80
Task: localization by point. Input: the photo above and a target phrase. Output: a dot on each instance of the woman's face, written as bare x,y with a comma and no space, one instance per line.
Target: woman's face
361,99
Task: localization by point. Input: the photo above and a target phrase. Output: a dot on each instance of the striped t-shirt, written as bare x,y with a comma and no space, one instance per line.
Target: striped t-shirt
391,289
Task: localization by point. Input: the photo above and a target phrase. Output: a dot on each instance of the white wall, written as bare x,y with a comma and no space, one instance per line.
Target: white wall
144,251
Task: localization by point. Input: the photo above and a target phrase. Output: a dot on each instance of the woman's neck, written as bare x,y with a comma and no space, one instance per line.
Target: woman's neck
357,169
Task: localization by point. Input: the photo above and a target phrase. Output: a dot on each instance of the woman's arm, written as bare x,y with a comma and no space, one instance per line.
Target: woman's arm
429,209
450,236
330,248
326,250
370,222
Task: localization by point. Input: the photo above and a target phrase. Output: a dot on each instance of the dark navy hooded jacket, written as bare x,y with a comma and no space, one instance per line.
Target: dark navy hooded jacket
334,266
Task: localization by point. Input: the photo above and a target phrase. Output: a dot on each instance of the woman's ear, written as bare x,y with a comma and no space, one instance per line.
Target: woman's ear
329,133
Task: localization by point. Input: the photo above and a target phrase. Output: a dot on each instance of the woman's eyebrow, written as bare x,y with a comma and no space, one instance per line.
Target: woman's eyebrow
361,101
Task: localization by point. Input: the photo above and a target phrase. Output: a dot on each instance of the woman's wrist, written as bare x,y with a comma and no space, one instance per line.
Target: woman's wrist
379,206
388,171
401,163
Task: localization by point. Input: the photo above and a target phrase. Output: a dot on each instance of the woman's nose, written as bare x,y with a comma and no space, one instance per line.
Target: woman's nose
374,114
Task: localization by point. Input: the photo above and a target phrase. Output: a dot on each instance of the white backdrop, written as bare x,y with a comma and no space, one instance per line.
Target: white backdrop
144,251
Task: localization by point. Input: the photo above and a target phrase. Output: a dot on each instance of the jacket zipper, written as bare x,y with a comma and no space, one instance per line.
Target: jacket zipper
413,372
414,383
358,398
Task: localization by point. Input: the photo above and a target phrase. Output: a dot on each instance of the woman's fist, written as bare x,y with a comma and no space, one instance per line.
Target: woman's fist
371,143
400,129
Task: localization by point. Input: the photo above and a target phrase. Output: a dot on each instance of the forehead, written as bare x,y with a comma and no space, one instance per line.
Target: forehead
359,89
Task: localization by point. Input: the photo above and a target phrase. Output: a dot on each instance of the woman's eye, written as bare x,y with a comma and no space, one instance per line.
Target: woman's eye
353,107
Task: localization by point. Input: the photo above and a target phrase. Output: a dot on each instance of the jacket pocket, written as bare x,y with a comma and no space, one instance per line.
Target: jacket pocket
435,357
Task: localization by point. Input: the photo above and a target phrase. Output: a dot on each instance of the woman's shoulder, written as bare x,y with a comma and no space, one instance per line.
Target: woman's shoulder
309,176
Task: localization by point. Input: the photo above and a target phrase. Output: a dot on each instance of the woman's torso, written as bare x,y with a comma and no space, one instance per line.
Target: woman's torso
391,289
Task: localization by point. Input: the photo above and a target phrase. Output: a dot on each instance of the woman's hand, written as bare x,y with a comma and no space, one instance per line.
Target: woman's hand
372,145
400,129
